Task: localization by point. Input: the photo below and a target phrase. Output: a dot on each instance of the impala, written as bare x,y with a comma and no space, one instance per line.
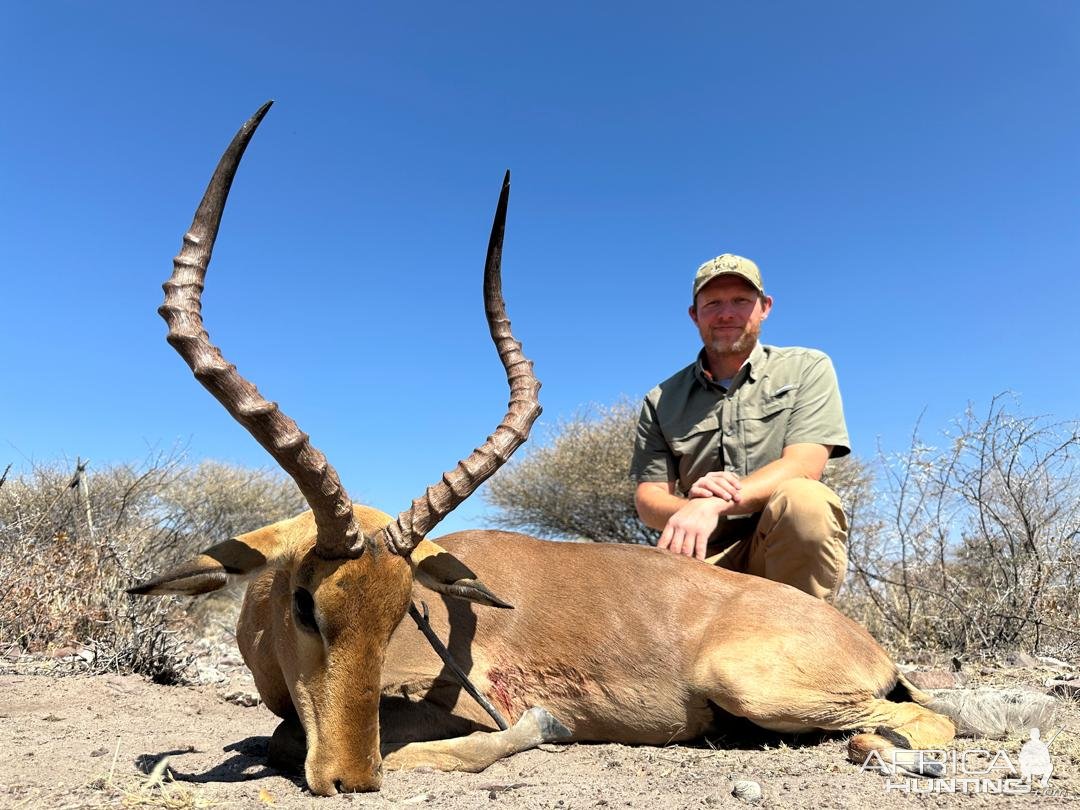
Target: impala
603,642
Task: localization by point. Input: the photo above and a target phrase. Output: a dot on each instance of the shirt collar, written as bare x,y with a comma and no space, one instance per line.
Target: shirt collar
754,365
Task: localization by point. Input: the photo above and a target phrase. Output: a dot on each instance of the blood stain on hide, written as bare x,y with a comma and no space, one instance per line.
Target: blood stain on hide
514,689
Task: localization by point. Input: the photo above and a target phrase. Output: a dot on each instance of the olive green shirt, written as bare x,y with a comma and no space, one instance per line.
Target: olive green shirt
691,425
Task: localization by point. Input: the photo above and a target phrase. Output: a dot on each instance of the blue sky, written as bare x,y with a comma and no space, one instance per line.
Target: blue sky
906,175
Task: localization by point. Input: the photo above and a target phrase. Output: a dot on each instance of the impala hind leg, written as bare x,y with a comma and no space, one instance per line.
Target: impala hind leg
900,731
836,702
475,752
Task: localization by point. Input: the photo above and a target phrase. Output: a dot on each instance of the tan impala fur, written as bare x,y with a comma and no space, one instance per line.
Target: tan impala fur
604,642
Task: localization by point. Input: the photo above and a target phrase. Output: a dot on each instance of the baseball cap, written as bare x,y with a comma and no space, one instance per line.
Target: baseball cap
724,265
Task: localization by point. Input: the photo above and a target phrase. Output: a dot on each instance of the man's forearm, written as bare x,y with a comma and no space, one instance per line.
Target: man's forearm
655,506
656,501
759,486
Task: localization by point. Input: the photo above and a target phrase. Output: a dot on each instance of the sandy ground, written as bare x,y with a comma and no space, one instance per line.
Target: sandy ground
94,741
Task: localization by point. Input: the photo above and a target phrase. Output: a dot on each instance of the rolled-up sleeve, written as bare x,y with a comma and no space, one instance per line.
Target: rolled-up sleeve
652,459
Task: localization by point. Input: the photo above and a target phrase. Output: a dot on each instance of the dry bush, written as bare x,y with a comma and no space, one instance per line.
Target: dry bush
70,544
578,486
975,546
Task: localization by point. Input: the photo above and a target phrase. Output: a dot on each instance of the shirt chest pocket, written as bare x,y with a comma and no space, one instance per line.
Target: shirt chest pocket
763,425
696,449
695,440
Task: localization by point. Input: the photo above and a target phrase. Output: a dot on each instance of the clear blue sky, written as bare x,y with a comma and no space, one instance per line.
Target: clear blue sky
906,175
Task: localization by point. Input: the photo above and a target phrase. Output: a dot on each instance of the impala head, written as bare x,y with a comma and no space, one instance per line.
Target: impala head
342,572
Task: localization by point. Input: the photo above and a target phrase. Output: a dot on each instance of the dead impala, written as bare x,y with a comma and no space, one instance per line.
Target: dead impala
605,642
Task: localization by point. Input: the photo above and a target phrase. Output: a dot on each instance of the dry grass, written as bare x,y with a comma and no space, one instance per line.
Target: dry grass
71,543
156,789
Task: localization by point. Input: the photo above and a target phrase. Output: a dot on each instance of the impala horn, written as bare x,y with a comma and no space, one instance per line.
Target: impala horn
339,535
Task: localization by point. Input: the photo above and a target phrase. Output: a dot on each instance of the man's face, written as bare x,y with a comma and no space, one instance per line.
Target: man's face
728,312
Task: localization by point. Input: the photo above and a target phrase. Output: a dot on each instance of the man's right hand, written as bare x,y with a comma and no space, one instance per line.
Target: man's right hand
688,530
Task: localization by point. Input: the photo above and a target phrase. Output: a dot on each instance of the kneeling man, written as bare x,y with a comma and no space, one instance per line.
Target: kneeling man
730,450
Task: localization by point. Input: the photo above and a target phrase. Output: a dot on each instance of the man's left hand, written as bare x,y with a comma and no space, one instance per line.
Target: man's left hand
688,530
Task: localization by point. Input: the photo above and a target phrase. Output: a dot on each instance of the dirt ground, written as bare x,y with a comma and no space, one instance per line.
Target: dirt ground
94,741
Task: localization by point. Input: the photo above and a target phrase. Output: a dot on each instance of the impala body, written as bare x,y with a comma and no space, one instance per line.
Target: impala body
633,645
603,642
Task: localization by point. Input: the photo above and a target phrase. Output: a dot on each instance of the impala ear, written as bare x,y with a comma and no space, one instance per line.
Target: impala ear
216,567
436,568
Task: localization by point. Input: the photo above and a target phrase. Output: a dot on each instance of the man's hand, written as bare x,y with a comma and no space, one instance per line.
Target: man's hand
724,485
688,530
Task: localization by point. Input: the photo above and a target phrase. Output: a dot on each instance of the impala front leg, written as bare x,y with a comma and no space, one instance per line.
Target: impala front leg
288,747
480,749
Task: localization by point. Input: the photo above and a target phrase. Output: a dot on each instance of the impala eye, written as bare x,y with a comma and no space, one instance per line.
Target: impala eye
303,606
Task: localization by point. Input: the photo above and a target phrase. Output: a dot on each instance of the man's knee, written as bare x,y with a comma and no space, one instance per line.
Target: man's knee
807,507
802,538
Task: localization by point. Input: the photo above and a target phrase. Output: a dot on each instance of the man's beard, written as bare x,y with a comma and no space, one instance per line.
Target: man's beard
740,345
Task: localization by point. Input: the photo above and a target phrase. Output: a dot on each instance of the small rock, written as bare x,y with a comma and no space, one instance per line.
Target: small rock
747,790
499,787
120,684
242,698
1021,659
207,674
99,752
1051,662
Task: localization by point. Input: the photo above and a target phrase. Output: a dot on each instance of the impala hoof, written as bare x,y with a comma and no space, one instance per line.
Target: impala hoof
551,730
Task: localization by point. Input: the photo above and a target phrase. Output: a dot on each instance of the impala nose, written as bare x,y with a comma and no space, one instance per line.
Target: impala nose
366,784
344,780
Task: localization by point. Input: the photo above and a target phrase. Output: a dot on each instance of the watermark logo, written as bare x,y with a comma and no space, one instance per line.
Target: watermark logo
1035,760
974,770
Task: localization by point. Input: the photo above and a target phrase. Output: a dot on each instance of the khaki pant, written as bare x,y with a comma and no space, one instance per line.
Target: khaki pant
799,538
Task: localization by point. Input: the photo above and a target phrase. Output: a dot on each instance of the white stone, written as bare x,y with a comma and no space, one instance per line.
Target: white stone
747,790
